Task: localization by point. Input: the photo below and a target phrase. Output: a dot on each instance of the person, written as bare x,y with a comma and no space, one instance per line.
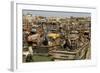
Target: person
45,41
30,43
67,44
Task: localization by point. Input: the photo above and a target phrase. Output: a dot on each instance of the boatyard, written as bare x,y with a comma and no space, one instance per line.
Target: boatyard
56,38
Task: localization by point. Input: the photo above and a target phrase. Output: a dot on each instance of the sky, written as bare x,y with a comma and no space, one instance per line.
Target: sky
54,13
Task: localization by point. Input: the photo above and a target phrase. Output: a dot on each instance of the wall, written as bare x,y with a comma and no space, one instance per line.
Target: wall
5,35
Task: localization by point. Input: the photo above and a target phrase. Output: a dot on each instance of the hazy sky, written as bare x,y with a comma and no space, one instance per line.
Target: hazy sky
54,13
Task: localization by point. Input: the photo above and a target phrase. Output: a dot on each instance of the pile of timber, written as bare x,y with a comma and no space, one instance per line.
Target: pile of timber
80,53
